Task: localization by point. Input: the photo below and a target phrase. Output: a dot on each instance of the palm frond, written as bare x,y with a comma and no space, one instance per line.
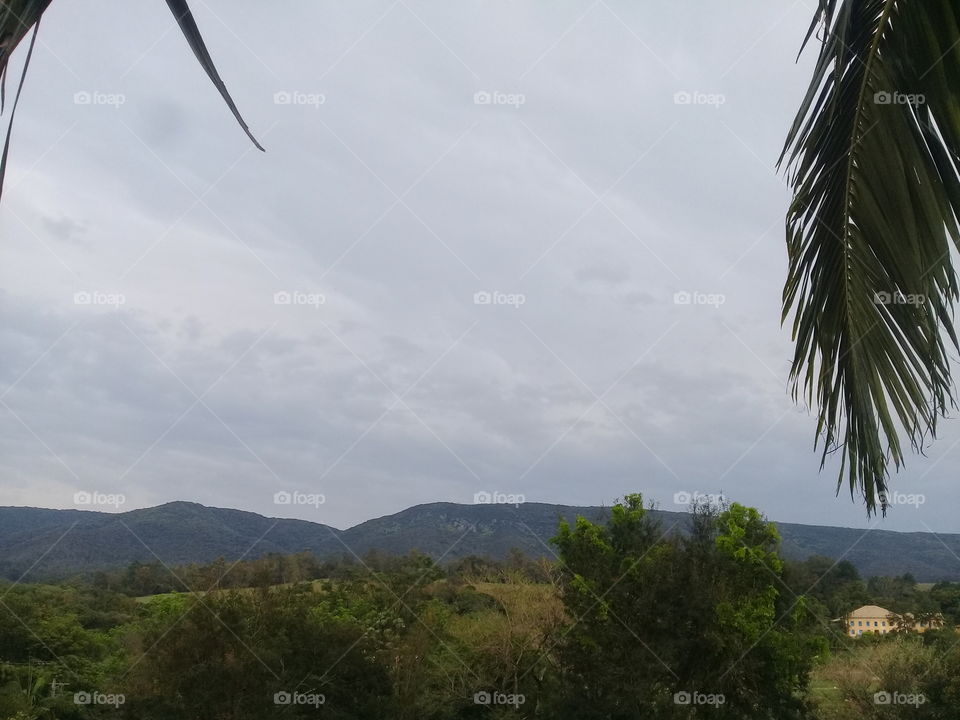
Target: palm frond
873,158
181,11
17,17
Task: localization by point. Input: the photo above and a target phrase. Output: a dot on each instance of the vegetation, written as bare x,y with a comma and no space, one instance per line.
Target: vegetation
189,537
873,158
626,622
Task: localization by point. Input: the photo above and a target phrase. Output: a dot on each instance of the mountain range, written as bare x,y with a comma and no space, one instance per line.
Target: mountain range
51,544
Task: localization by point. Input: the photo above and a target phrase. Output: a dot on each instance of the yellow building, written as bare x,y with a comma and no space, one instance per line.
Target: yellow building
869,618
880,621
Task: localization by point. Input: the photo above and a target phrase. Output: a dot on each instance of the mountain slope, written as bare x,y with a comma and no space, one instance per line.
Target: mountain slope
59,543
453,531
175,534
459,530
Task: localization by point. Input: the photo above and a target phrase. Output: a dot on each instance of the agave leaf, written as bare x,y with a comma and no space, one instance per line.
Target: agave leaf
872,158
16,19
181,11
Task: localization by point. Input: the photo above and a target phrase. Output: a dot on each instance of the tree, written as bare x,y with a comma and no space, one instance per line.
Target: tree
872,159
902,622
947,597
832,588
657,620
233,654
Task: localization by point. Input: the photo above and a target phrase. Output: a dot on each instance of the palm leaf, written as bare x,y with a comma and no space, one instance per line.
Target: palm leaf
17,17
872,159
192,33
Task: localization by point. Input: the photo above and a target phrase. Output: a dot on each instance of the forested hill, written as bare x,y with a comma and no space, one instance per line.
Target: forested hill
60,543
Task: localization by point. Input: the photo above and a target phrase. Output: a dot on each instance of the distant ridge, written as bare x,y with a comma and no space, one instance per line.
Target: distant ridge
53,544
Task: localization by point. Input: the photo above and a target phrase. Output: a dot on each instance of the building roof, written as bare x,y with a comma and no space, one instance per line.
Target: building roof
871,611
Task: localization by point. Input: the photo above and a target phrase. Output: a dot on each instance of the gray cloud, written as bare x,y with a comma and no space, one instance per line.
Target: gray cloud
396,199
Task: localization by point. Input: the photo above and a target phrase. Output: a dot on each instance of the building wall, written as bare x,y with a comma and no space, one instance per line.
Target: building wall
869,623
877,620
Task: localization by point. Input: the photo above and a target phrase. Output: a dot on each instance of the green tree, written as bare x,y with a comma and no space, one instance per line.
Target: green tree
702,614
228,655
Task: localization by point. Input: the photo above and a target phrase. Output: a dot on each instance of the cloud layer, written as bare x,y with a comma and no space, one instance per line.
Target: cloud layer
530,249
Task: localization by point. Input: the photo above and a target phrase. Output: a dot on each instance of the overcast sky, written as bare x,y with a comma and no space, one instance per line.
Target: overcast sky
579,162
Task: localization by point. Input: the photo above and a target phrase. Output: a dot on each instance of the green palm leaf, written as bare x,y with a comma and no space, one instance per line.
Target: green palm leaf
872,159
191,32
17,17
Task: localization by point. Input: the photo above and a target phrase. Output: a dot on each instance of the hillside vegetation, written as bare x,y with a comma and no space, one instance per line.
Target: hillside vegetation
57,544
628,621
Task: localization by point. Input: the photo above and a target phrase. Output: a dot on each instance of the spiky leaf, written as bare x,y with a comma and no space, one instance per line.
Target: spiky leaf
873,157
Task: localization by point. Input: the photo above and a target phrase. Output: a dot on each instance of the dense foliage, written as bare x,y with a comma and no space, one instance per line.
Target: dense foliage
630,621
